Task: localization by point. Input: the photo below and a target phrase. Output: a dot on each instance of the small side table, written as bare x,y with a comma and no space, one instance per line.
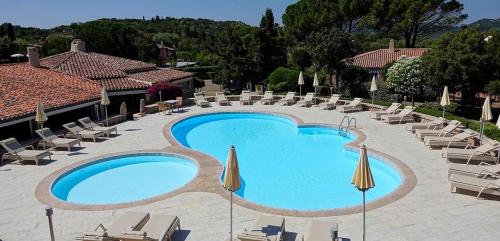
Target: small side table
170,104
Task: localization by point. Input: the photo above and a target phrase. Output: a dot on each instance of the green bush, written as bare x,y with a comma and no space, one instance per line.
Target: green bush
493,87
283,79
355,81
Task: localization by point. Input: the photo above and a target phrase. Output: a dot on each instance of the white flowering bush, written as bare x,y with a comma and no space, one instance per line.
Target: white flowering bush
405,76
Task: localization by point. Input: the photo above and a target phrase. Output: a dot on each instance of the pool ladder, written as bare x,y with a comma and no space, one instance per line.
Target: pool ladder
345,125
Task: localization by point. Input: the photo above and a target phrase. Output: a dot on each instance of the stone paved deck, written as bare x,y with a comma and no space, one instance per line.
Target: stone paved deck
428,212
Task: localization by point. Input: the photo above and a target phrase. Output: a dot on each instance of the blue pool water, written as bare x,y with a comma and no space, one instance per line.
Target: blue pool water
283,166
124,179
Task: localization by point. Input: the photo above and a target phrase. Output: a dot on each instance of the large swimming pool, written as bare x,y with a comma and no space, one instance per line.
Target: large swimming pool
283,165
123,179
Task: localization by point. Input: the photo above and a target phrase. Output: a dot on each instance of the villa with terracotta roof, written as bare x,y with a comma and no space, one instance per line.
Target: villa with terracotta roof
375,60
126,80
64,96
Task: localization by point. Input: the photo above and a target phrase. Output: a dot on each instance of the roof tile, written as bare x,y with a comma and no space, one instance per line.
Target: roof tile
379,58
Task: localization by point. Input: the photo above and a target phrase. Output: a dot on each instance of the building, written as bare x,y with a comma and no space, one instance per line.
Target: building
126,80
375,60
65,97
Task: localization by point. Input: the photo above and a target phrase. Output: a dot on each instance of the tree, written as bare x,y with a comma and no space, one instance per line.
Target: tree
405,77
55,44
7,47
269,50
300,57
353,81
283,79
463,61
6,29
329,48
414,19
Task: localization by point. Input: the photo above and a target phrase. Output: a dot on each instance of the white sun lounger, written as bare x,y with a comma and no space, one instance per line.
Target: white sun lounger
390,110
458,141
331,103
289,99
268,98
76,131
404,115
484,153
17,152
320,231
88,124
200,100
129,221
221,99
159,227
475,184
354,105
307,101
267,228
483,169
431,125
245,98
52,140
446,131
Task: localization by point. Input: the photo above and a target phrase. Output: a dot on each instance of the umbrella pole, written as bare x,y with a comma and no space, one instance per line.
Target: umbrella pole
444,109
364,216
231,220
48,213
106,113
373,96
300,91
481,129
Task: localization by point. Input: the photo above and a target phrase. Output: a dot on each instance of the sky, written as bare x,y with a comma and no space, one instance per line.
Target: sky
50,13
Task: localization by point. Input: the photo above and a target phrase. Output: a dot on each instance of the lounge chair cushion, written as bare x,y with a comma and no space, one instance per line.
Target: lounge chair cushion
320,230
129,221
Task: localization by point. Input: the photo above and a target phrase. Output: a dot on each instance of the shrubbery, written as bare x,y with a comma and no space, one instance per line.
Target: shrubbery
168,91
283,79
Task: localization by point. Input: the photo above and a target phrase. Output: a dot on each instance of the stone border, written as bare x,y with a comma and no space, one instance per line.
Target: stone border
210,168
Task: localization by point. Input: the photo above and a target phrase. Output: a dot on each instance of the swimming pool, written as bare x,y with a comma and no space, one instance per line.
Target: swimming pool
125,178
283,165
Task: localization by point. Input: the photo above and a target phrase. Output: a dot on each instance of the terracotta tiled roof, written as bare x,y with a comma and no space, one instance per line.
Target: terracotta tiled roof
122,83
378,58
115,73
160,75
21,86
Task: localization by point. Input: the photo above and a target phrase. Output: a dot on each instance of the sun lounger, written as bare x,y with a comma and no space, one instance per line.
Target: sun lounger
404,115
221,99
446,131
17,152
479,185
390,110
289,99
88,124
200,100
354,105
431,125
159,227
245,98
484,153
267,228
320,231
458,141
331,103
268,98
80,133
52,140
481,170
130,221
307,101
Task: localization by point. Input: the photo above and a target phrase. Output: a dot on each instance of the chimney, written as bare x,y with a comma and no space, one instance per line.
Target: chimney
77,45
163,53
33,57
391,45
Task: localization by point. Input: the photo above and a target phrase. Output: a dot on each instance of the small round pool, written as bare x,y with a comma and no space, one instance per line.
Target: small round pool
283,165
125,178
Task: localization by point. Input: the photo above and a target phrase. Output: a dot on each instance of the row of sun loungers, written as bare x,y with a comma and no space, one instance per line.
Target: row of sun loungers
473,169
141,226
75,134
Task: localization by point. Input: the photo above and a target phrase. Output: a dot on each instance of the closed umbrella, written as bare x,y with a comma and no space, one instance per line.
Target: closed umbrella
316,83
105,101
231,181
445,99
486,115
40,116
301,83
373,87
363,179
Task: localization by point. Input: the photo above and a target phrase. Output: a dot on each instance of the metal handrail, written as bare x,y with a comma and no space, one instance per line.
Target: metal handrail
343,131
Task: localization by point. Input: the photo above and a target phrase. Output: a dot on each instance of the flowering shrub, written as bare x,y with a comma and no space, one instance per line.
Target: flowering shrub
405,76
168,91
